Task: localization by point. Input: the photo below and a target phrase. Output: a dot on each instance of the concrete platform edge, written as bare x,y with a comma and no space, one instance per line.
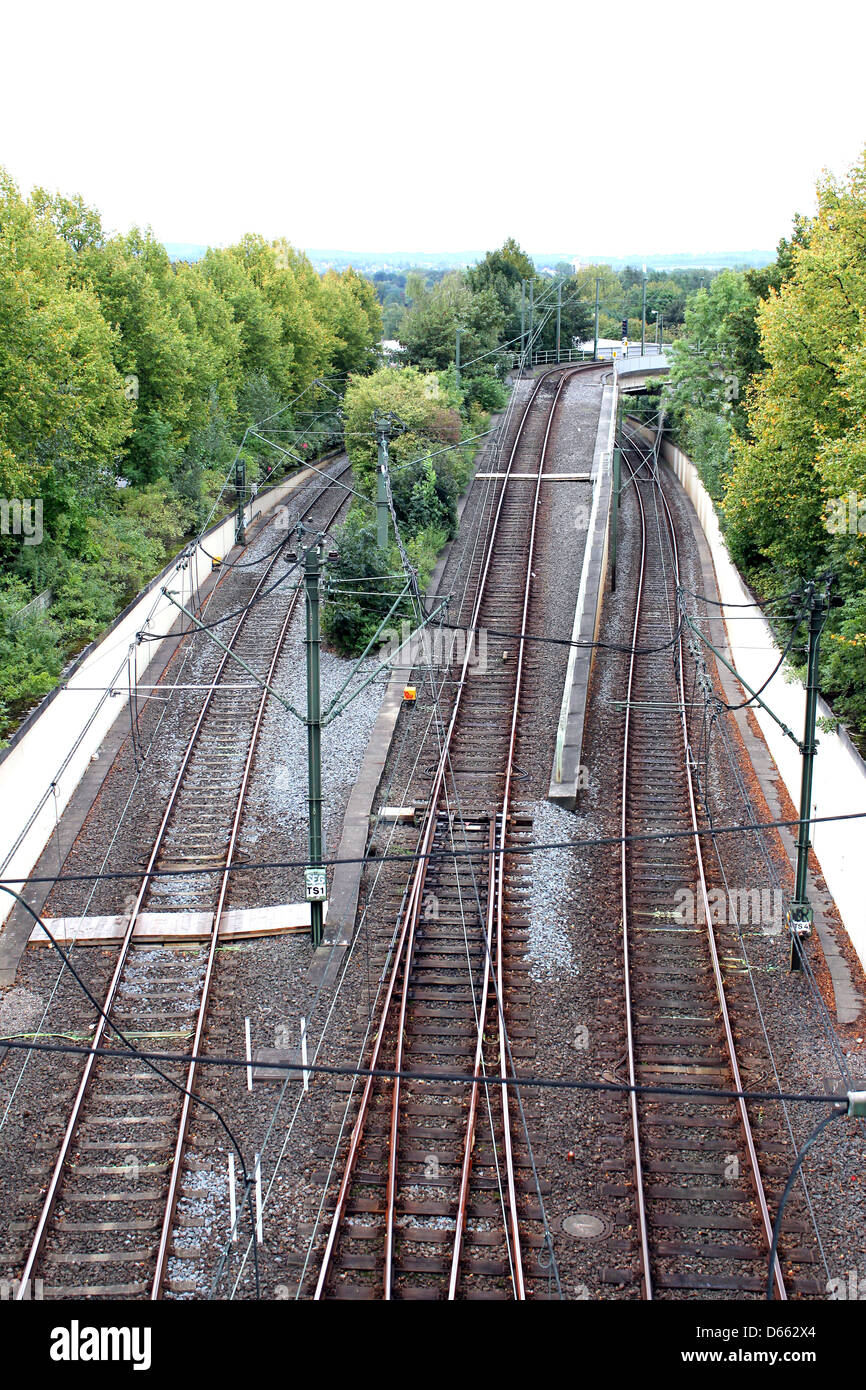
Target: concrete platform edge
565,773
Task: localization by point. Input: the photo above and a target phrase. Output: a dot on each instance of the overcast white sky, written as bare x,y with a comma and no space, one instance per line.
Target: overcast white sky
387,125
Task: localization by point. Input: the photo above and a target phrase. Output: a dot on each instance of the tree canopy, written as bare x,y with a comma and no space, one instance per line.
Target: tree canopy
786,458
126,383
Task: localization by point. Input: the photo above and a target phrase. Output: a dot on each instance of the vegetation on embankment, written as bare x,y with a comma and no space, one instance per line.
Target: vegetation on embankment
126,384
768,396
436,426
130,385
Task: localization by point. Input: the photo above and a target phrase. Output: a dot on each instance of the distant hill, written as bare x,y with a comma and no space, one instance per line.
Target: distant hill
184,250
370,261
681,260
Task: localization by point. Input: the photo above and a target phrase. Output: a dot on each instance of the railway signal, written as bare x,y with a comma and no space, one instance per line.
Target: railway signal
240,490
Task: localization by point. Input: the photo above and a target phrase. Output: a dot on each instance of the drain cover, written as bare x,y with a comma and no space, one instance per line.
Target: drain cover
584,1226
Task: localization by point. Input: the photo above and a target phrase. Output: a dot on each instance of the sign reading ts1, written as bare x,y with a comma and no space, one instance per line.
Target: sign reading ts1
316,884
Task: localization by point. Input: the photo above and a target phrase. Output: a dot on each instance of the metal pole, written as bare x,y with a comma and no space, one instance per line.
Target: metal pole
522,320
240,489
614,519
558,317
531,316
800,911
312,572
595,345
383,432
643,320
457,357
661,332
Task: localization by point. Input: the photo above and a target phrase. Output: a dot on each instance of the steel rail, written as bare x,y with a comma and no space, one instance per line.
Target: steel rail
402,954
494,907
504,1050
632,1076
180,1145
466,1169
71,1129
760,1194
754,1165
430,828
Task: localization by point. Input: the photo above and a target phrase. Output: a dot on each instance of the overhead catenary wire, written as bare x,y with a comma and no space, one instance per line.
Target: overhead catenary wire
713,707
227,617
581,842
135,1051
535,847
555,1083
435,721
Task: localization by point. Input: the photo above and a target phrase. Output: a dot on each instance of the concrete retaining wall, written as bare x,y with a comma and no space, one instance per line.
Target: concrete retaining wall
839,786
50,753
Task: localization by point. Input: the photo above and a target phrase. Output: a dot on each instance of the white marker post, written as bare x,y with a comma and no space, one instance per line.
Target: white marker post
259,1231
249,1047
305,1073
233,1206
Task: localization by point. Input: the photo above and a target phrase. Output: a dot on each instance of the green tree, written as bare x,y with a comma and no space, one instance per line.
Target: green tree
805,448
427,414
705,379
429,327
353,319
62,406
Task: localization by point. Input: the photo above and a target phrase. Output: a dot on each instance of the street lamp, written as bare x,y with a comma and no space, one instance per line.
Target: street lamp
643,317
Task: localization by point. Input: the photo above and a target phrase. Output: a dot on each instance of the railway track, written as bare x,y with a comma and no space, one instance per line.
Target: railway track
105,1226
703,1218
437,1195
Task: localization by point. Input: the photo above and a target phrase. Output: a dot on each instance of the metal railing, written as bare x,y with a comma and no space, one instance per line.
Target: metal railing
633,350
547,357
40,604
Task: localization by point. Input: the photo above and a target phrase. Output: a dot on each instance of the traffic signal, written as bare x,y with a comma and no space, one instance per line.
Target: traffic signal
625,328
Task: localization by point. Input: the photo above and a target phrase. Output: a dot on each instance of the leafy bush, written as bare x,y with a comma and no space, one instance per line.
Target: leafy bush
350,622
30,660
486,391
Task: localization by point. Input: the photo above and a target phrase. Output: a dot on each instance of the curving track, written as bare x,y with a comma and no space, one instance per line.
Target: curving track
703,1218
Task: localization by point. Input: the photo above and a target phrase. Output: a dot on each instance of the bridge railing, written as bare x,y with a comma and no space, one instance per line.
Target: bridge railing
633,350
548,357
